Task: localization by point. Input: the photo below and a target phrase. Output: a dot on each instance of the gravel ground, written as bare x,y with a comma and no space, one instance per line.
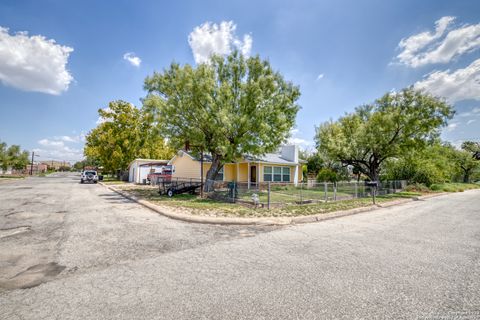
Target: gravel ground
71,251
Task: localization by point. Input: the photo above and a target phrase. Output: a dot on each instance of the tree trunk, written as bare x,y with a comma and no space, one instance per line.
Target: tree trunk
374,173
212,173
466,176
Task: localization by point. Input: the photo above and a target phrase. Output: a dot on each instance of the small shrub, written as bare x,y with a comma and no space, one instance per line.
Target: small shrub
417,187
327,175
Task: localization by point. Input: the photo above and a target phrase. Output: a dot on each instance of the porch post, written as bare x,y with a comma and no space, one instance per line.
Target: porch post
248,174
258,175
238,173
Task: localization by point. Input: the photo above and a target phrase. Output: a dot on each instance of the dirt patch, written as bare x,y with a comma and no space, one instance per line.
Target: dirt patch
7,232
33,276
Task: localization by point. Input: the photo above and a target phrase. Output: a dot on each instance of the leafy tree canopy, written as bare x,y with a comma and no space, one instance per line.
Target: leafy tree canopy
127,133
472,147
228,107
13,156
390,127
467,163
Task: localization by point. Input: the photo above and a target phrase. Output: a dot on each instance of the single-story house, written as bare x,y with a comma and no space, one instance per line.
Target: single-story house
139,169
282,167
36,168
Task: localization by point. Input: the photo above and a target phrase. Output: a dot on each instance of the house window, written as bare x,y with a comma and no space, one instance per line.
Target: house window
219,176
286,174
276,174
267,174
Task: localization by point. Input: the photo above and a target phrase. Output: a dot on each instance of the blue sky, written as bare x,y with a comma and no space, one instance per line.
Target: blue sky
341,53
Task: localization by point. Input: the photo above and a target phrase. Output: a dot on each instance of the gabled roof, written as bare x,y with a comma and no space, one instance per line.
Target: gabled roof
268,158
149,161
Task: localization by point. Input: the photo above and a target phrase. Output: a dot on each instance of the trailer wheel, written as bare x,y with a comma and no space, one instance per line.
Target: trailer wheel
170,192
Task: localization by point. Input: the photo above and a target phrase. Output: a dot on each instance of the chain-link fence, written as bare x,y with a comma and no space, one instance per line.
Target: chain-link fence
272,194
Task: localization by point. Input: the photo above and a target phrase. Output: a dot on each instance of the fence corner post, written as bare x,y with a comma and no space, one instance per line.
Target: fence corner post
326,191
335,191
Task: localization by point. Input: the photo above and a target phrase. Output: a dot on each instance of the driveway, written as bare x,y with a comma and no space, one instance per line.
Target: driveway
72,251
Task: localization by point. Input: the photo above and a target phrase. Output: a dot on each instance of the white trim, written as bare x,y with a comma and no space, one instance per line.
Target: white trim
295,178
281,174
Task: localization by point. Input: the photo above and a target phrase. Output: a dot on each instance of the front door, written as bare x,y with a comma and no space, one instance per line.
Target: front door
253,174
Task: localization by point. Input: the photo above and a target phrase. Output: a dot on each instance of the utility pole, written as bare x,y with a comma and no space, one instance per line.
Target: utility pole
31,165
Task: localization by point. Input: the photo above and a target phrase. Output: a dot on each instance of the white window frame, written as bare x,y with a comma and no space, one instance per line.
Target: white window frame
280,171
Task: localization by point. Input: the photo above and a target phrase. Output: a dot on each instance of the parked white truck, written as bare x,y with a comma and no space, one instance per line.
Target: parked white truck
89,176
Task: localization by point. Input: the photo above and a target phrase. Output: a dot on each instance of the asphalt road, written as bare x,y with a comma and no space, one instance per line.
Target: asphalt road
71,251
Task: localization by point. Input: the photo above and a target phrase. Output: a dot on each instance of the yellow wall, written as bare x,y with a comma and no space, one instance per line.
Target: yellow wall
243,172
229,172
186,167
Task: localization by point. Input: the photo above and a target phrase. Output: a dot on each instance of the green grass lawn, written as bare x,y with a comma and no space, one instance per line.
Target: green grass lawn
454,187
195,205
11,176
112,180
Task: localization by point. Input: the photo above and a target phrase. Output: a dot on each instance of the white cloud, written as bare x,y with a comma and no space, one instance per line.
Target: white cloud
64,153
57,148
471,121
51,143
320,76
429,48
458,85
211,38
295,139
33,63
132,58
472,113
452,126
73,139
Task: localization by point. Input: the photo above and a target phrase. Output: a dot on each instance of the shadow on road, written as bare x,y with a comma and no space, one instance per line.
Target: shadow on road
114,198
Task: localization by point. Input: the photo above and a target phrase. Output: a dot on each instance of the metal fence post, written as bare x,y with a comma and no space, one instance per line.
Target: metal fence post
326,191
334,191
234,193
268,196
301,195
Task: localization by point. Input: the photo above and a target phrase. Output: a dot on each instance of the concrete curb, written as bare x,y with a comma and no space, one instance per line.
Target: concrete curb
263,221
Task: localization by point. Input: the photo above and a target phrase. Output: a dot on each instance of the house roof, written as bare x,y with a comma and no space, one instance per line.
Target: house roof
149,161
268,157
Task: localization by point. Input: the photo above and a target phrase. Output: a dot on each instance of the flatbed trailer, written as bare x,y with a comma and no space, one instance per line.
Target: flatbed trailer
173,186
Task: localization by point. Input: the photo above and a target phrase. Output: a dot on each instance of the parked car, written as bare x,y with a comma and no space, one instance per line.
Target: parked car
89,176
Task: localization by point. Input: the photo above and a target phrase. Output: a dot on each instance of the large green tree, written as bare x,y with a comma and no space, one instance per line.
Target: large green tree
125,133
467,159
3,156
13,156
228,107
472,147
388,128
430,165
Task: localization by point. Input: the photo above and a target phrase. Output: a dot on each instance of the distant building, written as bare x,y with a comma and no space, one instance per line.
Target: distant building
36,168
56,165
